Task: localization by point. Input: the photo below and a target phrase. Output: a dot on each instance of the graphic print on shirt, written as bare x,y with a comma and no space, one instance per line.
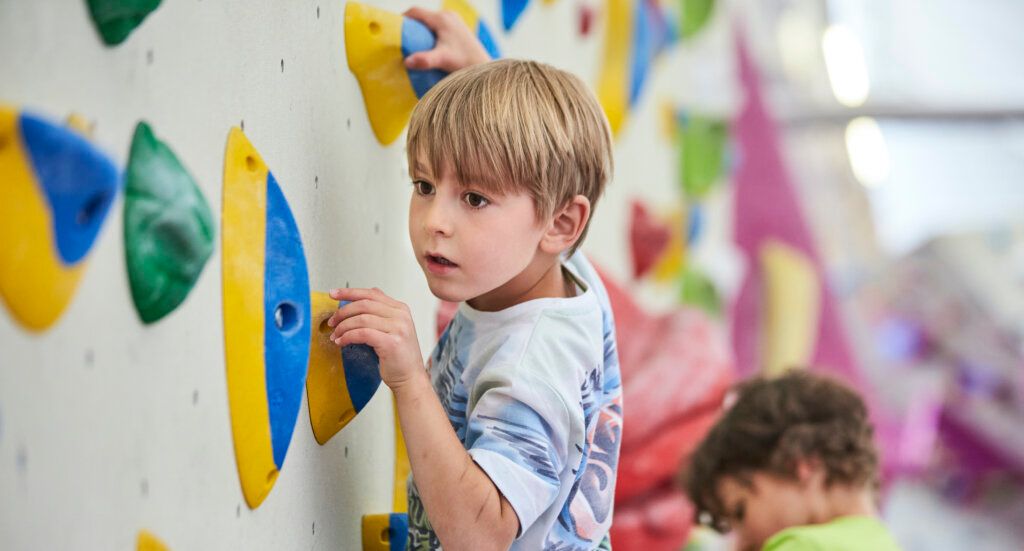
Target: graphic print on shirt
421,535
448,381
587,514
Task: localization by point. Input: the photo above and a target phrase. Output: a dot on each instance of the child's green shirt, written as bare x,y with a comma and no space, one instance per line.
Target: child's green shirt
852,533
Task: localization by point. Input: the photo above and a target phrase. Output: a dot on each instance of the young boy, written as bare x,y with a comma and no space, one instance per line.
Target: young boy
513,430
791,467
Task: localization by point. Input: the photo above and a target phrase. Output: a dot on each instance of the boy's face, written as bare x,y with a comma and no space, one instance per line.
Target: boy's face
472,245
764,507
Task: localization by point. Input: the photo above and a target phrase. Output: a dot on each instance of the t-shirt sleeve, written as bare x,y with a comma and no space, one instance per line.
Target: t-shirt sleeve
519,433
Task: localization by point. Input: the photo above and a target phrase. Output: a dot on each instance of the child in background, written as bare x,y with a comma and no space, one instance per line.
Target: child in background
513,430
791,466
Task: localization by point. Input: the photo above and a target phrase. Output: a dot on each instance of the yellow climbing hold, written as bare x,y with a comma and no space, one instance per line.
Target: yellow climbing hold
373,46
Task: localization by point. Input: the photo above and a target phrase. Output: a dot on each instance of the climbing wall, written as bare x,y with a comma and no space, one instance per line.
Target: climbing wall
180,184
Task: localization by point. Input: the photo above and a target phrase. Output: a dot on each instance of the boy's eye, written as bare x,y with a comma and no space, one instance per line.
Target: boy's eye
423,188
476,200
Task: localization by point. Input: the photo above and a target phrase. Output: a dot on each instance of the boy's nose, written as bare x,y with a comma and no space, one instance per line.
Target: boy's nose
437,220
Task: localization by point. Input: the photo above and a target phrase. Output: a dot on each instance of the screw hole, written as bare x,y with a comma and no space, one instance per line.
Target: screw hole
91,209
250,163
286,317
374,27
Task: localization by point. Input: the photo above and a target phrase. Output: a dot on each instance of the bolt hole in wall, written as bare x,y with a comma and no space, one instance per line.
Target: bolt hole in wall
92,208
286,317
250,161
374,27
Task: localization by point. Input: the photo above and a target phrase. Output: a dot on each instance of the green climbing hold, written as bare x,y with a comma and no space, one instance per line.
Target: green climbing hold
696,289
694,15
116,19
702,142
168,227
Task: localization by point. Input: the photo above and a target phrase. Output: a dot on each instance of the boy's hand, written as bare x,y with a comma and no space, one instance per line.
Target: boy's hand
456,46
383,323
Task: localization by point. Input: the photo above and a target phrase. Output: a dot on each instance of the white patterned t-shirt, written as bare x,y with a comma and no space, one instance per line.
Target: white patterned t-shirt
534,394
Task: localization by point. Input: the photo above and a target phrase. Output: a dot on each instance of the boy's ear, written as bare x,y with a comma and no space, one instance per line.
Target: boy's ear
566,225
810,471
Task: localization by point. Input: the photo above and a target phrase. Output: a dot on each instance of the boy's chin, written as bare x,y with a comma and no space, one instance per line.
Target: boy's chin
444,293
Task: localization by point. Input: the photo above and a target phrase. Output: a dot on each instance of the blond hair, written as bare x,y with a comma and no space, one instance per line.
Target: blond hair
510,126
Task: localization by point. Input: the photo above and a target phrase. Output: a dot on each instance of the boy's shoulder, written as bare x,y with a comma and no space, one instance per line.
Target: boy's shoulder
852,533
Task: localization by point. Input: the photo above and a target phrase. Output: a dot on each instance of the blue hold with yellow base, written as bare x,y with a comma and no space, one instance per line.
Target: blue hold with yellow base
57,192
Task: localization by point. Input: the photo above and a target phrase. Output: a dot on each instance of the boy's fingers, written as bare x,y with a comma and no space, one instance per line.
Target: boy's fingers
430,59
362,307
353,294
363,335
429,18
418,60
361,321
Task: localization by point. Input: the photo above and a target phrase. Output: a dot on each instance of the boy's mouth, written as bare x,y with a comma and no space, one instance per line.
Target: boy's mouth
440,261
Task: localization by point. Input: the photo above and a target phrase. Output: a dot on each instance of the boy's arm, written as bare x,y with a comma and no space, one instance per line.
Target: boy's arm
464,507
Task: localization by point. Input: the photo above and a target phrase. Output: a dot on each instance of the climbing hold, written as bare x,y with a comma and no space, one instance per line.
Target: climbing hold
340,382
148,542
385,532
792,307
510,12
168,227
266,316
116,19
635,33
376,43
472,20
694,15
58,190
702,143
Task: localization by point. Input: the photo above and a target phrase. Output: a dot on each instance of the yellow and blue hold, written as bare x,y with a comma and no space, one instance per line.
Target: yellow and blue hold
266,316
376,45
388,532
636,32
340,382
57,192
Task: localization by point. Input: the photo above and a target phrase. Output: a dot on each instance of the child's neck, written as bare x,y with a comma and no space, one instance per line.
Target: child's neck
539,280
843,501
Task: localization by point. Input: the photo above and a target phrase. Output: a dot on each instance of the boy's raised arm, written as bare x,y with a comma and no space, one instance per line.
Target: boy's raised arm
464,507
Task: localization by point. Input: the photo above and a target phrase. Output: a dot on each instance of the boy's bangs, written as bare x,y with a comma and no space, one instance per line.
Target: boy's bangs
440,147
479,133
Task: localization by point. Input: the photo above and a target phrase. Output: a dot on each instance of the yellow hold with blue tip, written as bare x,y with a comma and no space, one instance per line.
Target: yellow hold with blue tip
373,46
340,381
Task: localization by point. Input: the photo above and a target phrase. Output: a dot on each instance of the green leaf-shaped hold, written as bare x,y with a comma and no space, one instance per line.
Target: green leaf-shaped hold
694,15
116,19
168,227
696,289
702,142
